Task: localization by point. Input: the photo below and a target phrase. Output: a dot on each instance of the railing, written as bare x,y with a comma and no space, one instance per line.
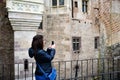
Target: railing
88,69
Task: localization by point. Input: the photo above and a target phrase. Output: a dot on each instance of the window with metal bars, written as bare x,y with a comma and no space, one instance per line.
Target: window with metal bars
84,6
76,43
55,2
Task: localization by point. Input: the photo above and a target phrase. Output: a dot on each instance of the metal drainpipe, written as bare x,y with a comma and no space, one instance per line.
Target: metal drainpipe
72,7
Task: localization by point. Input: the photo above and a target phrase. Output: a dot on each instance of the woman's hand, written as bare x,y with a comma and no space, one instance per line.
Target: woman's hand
53,46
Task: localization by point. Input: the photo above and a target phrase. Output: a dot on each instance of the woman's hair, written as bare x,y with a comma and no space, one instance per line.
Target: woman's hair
37,42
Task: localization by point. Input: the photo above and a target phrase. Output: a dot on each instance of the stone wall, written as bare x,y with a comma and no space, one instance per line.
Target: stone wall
99,21
61,28
6,45
57,28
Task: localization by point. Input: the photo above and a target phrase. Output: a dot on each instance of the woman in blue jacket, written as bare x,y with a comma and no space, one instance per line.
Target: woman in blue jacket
42,57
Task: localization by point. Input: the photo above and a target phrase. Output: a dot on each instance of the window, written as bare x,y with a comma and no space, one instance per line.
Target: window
61,2
76,4
76,43
54,2
97,40
84,5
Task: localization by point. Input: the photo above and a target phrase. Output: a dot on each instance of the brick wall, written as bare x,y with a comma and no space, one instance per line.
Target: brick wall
110,16
6,44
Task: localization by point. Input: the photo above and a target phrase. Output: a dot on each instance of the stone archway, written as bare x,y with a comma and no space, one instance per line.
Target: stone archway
6,46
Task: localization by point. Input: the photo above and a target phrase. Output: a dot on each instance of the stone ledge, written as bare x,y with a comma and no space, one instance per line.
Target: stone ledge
25,21
25,15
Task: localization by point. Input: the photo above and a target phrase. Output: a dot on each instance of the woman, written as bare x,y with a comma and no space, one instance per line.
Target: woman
43,58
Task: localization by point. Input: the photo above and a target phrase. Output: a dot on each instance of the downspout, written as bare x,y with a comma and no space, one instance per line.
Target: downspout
72,8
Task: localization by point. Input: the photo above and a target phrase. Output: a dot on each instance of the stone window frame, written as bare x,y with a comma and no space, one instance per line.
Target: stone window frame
56,3
76,44
96,42
84,6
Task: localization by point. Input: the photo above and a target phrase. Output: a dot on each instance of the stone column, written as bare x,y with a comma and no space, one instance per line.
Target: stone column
25,17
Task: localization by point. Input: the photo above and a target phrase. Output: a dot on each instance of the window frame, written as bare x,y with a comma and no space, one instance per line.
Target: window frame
58,3
76,44
84,6
54,4
63,2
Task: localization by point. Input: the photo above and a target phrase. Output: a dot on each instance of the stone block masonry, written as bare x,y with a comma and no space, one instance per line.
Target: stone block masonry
6,45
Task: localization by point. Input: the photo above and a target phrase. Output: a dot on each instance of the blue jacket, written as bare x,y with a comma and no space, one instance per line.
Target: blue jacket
43,58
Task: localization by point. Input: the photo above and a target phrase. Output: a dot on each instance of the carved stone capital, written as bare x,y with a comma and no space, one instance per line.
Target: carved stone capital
25,15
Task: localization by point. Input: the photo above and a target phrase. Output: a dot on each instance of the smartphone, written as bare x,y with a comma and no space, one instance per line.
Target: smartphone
52,42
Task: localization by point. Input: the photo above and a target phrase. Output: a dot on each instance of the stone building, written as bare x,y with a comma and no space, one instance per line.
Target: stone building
81,29
70,23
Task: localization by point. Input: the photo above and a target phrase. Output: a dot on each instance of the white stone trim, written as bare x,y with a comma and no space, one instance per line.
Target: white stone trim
25,14
25,6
